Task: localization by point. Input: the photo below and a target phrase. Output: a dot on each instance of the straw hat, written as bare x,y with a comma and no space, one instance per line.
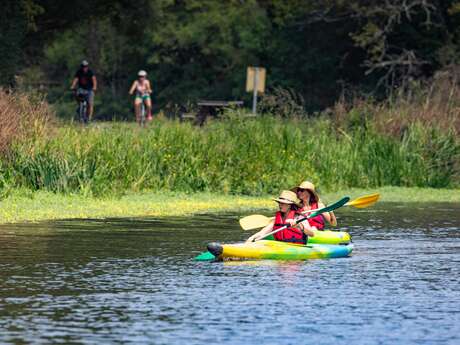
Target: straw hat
309,186
288,197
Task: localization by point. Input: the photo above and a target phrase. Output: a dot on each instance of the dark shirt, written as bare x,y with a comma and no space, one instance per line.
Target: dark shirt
85,80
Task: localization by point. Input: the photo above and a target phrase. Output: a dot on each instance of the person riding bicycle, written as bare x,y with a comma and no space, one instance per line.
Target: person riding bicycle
87,85
142,88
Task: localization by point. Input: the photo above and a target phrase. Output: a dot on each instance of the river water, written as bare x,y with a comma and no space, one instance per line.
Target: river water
135,281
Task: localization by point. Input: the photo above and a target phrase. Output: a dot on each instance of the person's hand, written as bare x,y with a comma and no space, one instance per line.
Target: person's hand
251,239
94,89
291,222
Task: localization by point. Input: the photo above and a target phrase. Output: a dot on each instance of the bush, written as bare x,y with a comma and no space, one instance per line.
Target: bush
22,117
282,102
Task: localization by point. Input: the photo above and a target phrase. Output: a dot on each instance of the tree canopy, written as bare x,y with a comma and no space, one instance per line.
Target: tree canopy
200,48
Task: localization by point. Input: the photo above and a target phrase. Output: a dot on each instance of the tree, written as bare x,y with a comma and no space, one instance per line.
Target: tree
201,49
13,29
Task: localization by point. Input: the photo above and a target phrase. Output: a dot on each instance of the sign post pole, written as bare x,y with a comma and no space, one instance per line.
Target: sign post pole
255,83
254,94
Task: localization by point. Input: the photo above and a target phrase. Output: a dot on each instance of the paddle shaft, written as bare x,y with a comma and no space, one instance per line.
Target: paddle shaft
329,208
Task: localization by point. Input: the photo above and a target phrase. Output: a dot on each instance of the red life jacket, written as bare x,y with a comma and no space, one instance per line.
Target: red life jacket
317,221
289,234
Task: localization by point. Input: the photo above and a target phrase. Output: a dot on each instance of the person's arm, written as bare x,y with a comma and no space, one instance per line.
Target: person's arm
261,233
333,220
133,87
149,88
303,226
329,216
94,83
74,83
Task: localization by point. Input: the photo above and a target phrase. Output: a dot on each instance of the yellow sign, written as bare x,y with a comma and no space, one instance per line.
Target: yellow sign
255,76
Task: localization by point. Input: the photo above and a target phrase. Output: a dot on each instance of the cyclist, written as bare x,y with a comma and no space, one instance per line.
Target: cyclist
143,90
87,85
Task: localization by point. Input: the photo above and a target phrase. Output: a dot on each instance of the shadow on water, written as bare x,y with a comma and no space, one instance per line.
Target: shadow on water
135,280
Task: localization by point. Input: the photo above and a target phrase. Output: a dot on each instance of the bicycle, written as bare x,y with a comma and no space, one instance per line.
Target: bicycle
142,111
82,110
142,114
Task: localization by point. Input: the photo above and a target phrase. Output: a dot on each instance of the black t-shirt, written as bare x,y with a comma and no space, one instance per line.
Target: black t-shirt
85,80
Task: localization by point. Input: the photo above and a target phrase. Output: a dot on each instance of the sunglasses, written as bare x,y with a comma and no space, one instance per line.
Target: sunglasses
302,190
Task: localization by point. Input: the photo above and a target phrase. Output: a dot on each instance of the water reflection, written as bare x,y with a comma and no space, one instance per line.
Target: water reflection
134,280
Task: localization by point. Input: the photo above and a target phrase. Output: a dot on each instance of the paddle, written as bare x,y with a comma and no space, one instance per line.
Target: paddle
329,208
259,221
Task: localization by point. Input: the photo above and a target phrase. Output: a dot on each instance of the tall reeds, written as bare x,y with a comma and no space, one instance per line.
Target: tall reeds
407,141
236,155
22,117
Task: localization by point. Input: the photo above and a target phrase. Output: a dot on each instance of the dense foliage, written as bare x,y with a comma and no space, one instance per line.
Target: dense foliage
236,156
201,48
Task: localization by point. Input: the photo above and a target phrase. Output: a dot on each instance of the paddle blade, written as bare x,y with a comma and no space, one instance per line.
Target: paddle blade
254,221
205,256
330,208
364,201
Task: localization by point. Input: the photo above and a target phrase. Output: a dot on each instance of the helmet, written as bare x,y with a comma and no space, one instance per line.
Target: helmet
142,73
84,63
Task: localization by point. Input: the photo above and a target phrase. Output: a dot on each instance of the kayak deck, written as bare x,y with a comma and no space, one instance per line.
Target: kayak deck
330,237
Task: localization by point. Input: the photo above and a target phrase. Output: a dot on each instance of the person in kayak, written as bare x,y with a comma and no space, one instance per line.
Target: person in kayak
288,214
310,200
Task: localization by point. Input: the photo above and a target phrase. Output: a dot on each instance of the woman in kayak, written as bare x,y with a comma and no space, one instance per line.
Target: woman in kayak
310,200
288,214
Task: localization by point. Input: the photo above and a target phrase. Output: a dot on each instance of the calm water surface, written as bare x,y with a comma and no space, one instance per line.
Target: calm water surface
135,281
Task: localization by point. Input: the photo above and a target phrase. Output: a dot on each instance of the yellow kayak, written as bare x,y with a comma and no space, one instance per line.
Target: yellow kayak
321,237
276,250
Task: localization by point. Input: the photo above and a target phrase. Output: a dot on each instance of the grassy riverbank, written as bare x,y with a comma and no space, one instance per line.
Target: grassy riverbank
36,206
51,170
237,156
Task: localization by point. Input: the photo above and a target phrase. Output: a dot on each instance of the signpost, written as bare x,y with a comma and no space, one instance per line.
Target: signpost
255,82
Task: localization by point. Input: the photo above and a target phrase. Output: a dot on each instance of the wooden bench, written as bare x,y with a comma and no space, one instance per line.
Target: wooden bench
208,108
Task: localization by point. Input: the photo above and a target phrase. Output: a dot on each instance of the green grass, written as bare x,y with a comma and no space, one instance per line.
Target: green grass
235,164
26,206
237,156
30,207
402,194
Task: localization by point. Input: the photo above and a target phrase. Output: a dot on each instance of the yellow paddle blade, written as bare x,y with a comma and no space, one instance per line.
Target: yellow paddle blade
364,201
254,221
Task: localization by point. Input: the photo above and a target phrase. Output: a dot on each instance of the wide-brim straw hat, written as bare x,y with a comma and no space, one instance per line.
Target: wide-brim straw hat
288,197
308,186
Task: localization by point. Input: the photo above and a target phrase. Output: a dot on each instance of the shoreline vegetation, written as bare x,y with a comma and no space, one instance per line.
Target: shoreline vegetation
363,147
43,206
51,169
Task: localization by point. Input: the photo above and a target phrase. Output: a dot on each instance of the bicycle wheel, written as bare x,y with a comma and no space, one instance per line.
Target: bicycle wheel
84,111
142,114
